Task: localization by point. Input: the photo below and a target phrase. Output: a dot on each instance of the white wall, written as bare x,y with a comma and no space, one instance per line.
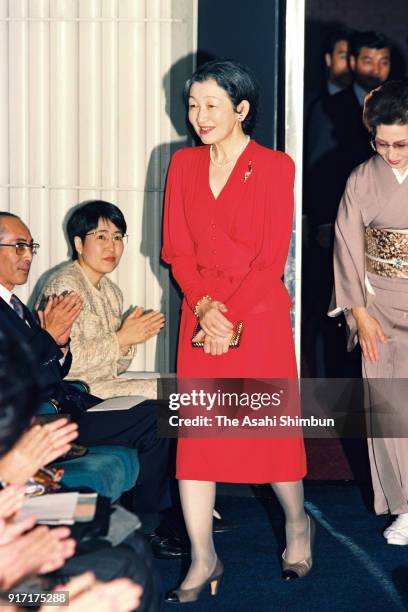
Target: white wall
294,71
85,106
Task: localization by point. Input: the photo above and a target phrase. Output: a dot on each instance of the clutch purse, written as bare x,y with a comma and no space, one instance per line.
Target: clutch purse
235,338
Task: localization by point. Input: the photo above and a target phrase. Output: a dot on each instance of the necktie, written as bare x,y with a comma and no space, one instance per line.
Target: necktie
17,306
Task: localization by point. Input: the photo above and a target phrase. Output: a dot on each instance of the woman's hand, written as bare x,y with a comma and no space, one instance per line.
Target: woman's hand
139,327
62,548
38,446
41,550
212,320
216,345
86,593
12,528
11,501
213,345
369,333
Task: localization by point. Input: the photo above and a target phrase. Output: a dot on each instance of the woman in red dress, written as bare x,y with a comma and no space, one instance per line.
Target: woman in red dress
227,227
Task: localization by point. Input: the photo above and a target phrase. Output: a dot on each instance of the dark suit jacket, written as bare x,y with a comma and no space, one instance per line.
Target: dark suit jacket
353,138
47,355
336,141
135,428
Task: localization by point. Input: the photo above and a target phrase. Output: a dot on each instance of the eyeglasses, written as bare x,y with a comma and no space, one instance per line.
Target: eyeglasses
23,247
382,147
104,236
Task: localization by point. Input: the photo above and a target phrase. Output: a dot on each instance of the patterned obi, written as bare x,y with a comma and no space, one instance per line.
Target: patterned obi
386,252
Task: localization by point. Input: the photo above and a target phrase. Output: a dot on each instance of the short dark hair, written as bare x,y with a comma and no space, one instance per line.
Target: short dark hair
236,79
85,218
335,36
370,39
386,105
19,390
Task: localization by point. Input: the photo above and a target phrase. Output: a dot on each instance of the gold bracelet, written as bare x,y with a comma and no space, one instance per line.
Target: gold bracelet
200,301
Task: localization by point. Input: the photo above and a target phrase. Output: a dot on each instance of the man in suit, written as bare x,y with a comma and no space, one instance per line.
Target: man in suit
336,75
49,343
136,428
336,142
336,138
336,59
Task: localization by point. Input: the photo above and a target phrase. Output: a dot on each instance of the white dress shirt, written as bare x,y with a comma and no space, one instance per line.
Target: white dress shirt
6,295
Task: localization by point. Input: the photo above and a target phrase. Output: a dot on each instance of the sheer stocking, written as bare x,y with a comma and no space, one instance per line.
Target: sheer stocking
197,500
290,496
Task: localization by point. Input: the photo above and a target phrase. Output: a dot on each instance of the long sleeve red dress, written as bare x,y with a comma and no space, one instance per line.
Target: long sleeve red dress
233,248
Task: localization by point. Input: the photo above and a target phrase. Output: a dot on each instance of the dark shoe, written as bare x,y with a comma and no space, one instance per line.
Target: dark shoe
180,596
300,569
168,547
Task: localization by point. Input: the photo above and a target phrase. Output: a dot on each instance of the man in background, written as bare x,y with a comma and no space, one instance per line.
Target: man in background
335,69
336,140
335,143
336,59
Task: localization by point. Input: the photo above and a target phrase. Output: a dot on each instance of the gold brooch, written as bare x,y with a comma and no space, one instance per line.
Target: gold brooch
248,172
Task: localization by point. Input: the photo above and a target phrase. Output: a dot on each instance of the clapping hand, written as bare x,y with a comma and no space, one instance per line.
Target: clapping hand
39,551
38,446
11,501
139,326
59,314
86,593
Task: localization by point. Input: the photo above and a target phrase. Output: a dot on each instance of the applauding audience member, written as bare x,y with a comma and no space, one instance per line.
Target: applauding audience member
27,550
102,344
24,548
135,428
38,446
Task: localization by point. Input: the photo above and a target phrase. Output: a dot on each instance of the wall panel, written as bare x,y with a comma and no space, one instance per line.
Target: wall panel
86,112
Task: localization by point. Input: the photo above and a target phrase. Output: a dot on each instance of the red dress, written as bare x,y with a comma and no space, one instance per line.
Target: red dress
234,248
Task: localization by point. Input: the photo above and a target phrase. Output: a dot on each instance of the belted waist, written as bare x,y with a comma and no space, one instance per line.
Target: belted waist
386,252
230,274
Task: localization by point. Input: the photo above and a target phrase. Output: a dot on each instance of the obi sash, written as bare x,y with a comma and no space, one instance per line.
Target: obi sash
386,252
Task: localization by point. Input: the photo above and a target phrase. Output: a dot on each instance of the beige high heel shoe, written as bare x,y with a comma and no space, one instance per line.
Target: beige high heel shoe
291,571
180,596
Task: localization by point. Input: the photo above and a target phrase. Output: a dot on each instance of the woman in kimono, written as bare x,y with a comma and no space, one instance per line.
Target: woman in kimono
371,287
227,227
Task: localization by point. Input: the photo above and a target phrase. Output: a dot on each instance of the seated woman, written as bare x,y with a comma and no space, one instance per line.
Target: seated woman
102,345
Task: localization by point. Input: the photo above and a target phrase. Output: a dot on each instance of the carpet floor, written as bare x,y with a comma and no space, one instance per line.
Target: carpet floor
354,568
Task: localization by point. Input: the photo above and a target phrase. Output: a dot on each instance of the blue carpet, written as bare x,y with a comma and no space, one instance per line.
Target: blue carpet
355,569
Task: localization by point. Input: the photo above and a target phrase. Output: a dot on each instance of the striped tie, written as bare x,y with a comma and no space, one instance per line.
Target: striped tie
17,306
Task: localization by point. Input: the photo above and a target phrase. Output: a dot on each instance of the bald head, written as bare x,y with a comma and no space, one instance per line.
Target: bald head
5,215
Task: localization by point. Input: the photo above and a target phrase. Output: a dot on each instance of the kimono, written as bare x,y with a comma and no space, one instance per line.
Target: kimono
373,214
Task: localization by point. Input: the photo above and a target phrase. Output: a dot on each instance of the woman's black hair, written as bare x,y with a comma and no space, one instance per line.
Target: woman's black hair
386,105
236,79
85,218
19,389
